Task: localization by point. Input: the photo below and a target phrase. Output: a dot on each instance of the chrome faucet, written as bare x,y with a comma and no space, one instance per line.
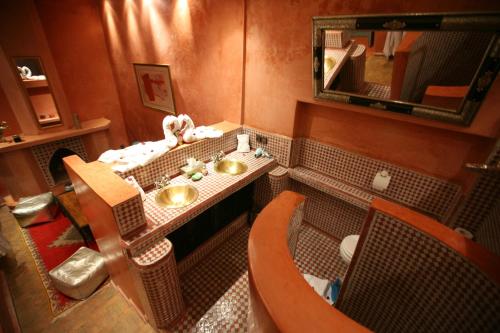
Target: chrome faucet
218,157
162,182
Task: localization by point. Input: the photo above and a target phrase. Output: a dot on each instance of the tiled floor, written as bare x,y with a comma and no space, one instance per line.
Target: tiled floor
215,291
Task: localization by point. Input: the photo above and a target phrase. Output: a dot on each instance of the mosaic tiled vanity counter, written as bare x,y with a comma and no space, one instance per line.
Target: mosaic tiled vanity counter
212,188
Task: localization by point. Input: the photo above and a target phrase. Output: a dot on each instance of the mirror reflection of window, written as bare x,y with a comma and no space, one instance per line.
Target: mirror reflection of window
433,68
38,91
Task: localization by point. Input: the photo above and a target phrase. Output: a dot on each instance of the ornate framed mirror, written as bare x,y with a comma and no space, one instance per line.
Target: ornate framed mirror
437,66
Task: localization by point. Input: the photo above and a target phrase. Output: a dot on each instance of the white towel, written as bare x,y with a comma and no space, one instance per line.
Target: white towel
140,154
392,41
185,123
171,128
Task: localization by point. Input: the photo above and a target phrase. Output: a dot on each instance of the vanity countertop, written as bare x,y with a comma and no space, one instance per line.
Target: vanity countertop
212,188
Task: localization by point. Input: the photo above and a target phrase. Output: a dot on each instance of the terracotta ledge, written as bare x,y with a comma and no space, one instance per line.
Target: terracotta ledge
281,299
89,126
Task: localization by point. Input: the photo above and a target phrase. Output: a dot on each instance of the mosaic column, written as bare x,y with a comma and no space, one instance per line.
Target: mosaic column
157,271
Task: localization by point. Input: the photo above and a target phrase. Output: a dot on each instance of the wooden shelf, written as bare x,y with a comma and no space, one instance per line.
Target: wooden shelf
35,83
89,126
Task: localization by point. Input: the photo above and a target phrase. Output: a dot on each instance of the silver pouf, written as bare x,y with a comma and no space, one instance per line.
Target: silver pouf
36,209
80,275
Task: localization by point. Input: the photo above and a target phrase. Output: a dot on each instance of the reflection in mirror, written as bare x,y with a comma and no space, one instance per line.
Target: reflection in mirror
438,66
433,68
37,88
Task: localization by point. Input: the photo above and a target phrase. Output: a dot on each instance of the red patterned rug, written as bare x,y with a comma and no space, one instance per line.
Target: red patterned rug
50,244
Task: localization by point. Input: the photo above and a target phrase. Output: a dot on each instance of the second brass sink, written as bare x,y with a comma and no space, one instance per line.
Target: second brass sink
230,167
176,196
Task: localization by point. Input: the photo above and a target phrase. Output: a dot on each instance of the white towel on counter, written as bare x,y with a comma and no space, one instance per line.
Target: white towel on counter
140,154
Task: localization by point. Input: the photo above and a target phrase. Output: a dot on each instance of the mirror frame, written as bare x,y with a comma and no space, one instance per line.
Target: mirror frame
481,83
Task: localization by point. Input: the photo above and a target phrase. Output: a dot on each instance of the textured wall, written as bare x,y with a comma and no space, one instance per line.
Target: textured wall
7,114
202,40
278,77
438,152
76,39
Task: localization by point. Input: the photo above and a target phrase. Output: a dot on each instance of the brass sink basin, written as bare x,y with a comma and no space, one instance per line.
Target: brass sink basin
230,167
176,196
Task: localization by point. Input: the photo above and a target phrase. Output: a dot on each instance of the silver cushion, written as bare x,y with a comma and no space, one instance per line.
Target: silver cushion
36,209
80,275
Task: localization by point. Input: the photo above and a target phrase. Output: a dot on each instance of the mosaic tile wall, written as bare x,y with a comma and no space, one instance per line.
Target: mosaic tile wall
488,233
170,162
332,215
399,272
268,186
278,145
158,273
43,154
433,196
129,216
481,199
294,228
203,250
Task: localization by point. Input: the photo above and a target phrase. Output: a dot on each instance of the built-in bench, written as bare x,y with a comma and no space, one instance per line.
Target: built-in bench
349,176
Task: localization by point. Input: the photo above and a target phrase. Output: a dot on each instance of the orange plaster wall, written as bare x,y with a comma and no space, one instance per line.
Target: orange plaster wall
202,40
76,38
7,114
278,85
394,141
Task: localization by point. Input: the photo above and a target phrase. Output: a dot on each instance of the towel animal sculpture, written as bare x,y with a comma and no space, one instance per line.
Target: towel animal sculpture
176,130
182,128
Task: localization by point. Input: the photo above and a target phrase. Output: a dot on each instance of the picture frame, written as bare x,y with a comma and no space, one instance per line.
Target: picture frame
155,86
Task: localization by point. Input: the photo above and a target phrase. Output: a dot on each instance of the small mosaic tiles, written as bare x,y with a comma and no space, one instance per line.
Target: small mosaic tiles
43,153
334,216
212,188
278,145
268,186
427,194
318,254
216,290
481,199
294,228
169,163
488,233
400,276
205,288
158,273
129,215
222,236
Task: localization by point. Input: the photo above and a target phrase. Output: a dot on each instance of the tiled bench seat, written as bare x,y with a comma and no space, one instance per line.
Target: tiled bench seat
331,186
326,184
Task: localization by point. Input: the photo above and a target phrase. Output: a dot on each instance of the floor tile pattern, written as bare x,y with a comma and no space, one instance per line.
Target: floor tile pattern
209,288
318,254
216,291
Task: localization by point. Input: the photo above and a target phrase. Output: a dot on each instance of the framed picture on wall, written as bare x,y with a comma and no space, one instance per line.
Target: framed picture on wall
155,86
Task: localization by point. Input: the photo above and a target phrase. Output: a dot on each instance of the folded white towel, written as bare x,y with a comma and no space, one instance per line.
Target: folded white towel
140,154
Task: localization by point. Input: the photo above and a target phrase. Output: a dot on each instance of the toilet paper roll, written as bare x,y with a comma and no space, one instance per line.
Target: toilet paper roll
381,181
464,232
